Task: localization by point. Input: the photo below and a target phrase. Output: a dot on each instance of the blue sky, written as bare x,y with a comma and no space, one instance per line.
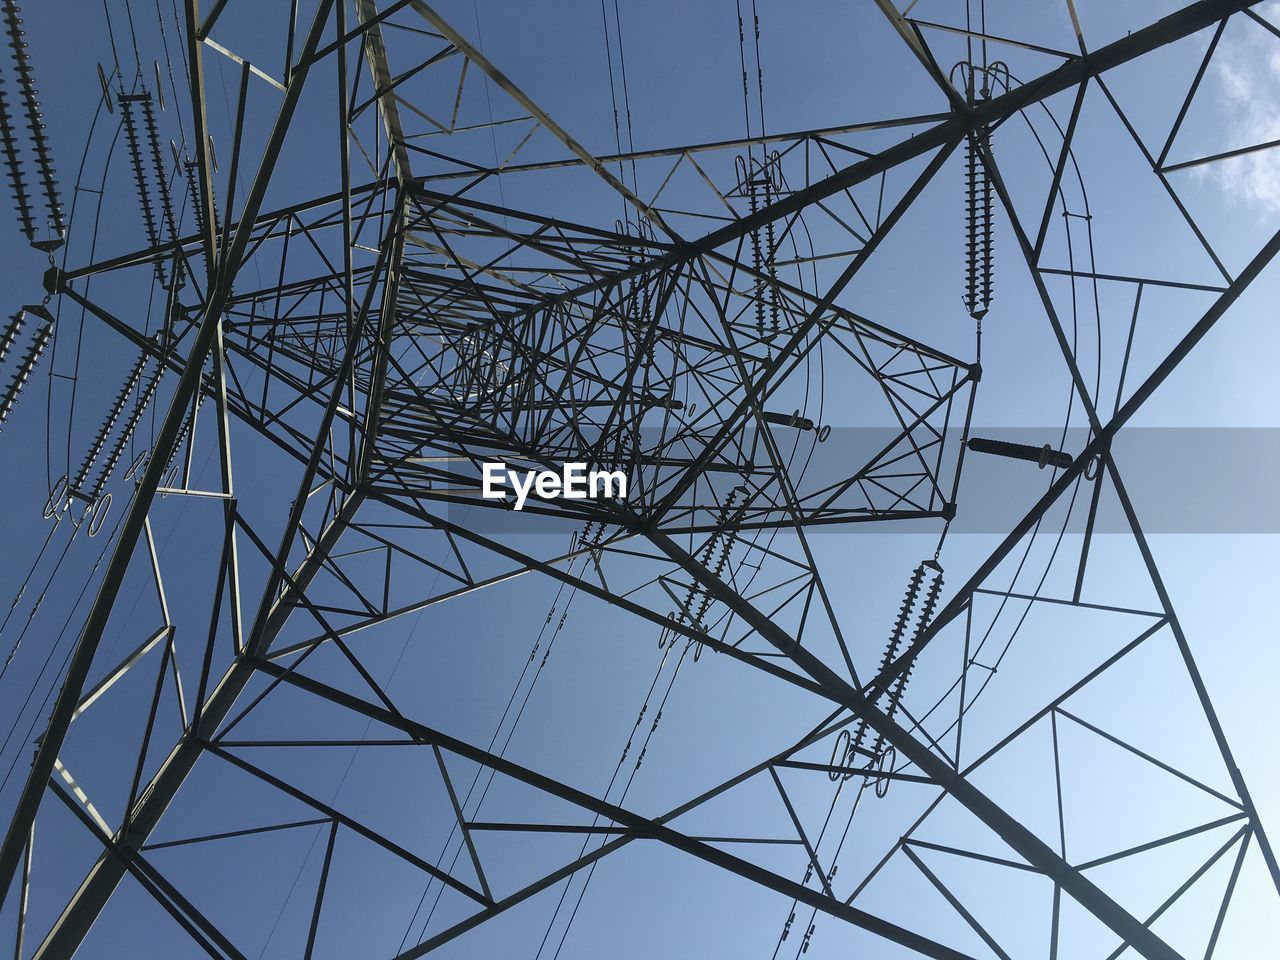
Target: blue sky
454,666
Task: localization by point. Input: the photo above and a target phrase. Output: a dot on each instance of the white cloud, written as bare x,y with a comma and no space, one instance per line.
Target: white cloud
1246,68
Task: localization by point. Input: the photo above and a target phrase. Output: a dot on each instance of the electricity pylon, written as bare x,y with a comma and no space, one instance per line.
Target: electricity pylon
332,321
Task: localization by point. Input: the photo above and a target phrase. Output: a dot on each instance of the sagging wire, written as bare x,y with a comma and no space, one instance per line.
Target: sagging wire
716,551
56,505
644,749
848,746
980,78
715,554
760,179
628,146
974,654
811,927
100,191
31,727
590,536
1075,325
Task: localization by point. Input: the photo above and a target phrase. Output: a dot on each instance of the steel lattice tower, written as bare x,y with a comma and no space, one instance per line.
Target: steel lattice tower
304,323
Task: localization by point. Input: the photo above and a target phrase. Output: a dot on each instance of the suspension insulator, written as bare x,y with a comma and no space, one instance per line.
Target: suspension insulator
774,312
757,259
756,181
631,305
35,122
11,332
190,168
162,182
722,546
109,422
130,426
179,440
13,168
895,640
624,452
636,303
140,178
722,519
589,536
194,189
771,249
925,617
28,363
978,222
646,301
896,636
715,556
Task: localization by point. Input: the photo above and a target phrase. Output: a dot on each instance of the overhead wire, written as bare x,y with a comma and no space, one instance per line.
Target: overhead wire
538,642
630,141
613,96
917,723
626,94
626,789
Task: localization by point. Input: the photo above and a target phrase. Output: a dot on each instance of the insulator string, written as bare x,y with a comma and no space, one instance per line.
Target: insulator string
130,427
13,169
140,177
12,330
108,424
162,182
28,364
35,120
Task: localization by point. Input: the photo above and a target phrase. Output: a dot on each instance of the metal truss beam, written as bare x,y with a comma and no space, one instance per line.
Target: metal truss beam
210,326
